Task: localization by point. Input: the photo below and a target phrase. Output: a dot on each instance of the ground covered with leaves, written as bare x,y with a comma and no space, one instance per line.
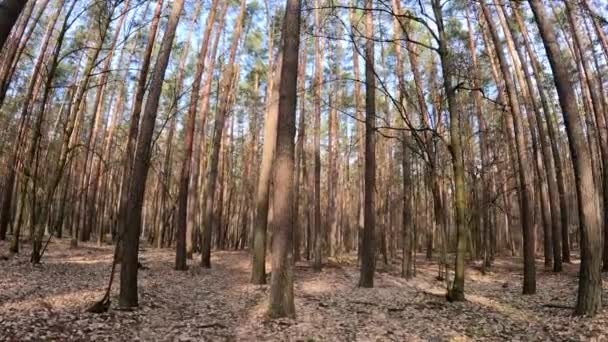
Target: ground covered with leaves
49,302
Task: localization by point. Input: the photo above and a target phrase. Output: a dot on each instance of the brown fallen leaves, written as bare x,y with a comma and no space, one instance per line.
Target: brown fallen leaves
48,302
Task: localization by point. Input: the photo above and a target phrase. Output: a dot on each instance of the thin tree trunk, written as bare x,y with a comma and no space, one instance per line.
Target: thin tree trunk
220,118
182,197
299,154
525,183
258,268
456,292
368,250
318,87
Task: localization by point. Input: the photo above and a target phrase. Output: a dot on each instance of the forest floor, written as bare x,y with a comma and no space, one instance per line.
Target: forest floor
48,302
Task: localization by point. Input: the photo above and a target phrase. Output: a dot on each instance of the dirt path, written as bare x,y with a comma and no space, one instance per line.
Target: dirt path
48,302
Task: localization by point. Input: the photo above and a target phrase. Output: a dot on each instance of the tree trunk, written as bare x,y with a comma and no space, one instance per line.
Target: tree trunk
9,13
13,49
525,183
182,197
220,118
281,282
589,300
258,269
456,292
87,196
581,46
141,164
299,154
138,100
318,87
368,248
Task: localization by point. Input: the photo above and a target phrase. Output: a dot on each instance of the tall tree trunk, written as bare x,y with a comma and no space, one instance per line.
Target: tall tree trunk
548,198
220,119
281,282
200,145
456,292
50,187
360,129
406,156
182,197
485,171
589,300
258,268
24,117
548,112
556,187
87,195
299,154
137,181
138,100
581,46
332,176
368,248
318,88
525,183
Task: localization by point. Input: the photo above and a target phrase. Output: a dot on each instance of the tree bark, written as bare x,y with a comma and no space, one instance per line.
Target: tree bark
456,292
182,197
9,13
281,282
525,183
220,119
134,123
368,250
589,299
137,182
299,154
318,87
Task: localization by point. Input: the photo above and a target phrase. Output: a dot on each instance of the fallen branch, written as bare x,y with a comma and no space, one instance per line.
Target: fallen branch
363,303
558,306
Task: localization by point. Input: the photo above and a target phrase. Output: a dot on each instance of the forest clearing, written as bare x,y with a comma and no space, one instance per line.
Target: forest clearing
49,302
303,170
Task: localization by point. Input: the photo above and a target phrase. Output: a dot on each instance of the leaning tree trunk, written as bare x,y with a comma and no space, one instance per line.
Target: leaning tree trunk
9,13
182,197
525,182
589,300
580,46
13,48
87,203
486,168
141,164
549,209
560,239
134,121
220,119
258,268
